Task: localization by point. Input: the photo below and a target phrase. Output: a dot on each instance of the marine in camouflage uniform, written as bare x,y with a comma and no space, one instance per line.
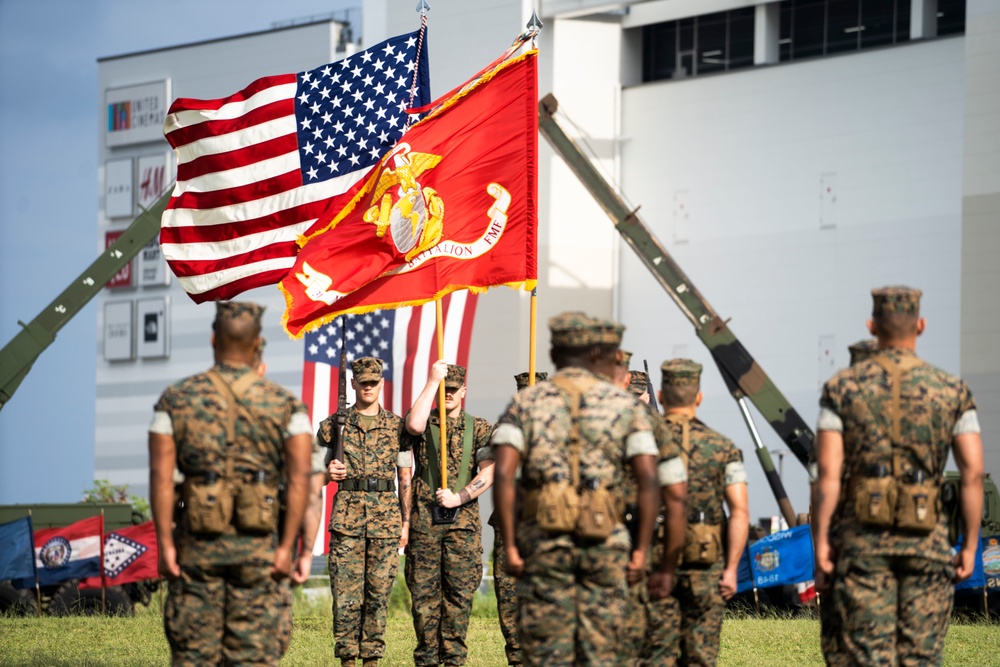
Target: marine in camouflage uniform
368,519
225,601
504,585
892,415
572,590
444,561
829,635
685,627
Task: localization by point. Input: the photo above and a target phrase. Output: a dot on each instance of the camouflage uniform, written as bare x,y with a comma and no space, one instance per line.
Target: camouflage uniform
226,607
444,562
685,627
504,585
634,623
892,590
365,524
829,634
572,592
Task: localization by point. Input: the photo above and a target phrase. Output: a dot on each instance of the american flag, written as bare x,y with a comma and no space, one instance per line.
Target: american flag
404,339
256,169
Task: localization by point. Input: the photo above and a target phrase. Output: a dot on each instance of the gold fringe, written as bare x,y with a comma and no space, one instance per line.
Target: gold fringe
525,285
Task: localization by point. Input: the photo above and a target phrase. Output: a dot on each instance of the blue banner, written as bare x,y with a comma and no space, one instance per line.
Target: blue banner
744,575
17,551
783,558
978,578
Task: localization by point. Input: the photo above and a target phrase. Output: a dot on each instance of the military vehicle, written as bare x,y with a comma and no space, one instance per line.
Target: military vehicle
66,597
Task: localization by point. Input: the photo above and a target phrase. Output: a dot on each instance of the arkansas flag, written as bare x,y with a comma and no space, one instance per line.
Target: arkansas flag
453,206
130,554
73,552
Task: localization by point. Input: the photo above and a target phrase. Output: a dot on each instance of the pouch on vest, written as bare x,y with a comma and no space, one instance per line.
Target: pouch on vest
702,543
209,505
598,513
558,507
917,504
875,498
257,507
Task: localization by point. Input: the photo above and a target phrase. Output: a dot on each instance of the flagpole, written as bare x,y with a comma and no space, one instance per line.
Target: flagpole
532,325
104,609
441,408
38,588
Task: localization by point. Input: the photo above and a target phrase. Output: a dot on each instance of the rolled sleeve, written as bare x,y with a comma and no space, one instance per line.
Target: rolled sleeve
672,471
736,473
508,435
485,453
967,423
298,424
404,460
162,424
640,443
829,420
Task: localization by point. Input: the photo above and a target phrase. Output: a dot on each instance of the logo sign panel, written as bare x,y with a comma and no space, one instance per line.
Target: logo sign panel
135,114
126,276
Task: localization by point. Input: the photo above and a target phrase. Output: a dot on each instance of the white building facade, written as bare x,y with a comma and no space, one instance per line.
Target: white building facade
790,155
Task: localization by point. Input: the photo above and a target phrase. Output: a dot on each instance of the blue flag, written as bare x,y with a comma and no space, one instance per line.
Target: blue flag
17,551
978,578
783,558
744,574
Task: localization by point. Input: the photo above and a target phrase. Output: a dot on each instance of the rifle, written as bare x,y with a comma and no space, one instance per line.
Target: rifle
338,451
649,388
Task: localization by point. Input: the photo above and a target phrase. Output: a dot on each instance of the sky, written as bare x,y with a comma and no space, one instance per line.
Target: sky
49,197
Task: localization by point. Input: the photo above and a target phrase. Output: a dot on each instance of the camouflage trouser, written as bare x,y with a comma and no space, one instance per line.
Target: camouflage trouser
227,614
572,602
505,587
362,571
443,570
893,610
685,627
634,625
829,633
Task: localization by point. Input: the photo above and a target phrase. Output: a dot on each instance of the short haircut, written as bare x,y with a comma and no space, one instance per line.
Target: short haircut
236,333
679,396
895,326
562,354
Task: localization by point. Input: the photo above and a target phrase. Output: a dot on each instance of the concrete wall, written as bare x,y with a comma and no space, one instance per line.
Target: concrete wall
981,220
786,193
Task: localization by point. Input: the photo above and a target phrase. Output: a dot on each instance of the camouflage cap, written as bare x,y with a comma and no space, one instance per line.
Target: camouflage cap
455,377
638,382
522,379
626,357
896,299
231,310
367,369
608,332
576,329
681,372
862,350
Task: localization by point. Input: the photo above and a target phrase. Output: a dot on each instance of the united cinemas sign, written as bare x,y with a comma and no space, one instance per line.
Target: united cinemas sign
135,114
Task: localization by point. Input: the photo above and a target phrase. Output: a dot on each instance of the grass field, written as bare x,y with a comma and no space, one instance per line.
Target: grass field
95,641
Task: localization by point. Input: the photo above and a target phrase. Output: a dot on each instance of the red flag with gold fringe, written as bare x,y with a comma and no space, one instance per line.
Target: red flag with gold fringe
453,206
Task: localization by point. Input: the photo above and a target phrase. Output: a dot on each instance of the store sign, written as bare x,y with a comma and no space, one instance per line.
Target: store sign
152,267
152,179
135,114
118,188
118,331
125,277
152,316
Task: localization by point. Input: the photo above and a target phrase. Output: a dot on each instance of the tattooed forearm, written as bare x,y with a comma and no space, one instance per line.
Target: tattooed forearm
405,500
464,495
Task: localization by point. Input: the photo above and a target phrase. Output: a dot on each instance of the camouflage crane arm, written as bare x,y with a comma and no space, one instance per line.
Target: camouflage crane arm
744,378
18,356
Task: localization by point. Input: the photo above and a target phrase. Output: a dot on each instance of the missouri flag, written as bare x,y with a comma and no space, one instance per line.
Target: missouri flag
452,206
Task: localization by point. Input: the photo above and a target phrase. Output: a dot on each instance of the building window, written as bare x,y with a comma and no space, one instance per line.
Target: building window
821,27
951,17
717,42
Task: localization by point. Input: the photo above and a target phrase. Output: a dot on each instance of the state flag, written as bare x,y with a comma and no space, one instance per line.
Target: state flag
130,554
17,555
73,552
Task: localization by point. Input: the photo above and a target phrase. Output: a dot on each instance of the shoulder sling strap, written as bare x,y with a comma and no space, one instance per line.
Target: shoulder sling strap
895,372
575,391
685,423
434,472
234,392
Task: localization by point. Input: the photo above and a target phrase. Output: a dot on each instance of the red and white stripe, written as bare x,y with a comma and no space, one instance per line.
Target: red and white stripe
239,204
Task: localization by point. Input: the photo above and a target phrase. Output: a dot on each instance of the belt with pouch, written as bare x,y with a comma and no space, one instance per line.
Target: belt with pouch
360,484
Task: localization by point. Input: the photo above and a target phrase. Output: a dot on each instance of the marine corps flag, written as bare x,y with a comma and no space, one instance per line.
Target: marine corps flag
451,207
